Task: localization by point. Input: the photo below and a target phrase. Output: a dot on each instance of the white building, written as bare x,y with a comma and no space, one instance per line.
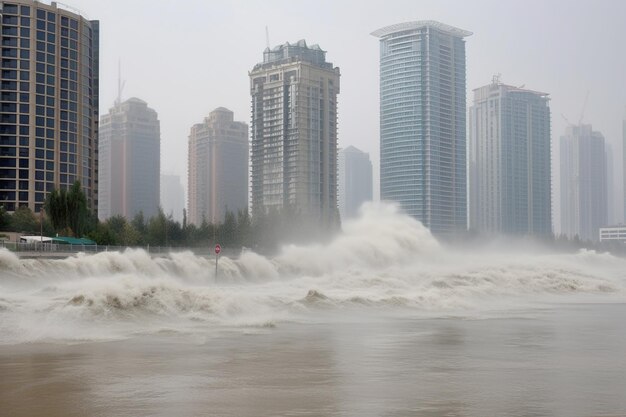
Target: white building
613,233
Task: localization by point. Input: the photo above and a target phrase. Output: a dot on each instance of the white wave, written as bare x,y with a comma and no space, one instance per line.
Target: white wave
382,260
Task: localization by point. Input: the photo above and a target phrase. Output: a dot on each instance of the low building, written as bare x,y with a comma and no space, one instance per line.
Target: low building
613,233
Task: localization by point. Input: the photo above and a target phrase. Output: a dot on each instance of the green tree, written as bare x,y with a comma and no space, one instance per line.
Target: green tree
130,236
139,223
23,220
56,209
77,212
157,229
68,210
5,218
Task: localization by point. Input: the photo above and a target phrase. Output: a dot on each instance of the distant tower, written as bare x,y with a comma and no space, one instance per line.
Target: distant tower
583,183
172,196
217,167
422,122
294,132
355,181
130,154
509,161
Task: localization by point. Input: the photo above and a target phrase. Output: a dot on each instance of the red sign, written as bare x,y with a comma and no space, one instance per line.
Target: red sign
218,249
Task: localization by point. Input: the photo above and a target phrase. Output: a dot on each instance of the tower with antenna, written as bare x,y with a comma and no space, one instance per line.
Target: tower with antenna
120,83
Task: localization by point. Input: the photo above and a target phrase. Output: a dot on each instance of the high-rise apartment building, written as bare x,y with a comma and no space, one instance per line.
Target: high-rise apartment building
583,183
172,196
48,103
355,181
130,155
510,181
217,167
294,132
422,122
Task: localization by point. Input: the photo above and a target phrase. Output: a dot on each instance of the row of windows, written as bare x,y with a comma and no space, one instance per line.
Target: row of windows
12,9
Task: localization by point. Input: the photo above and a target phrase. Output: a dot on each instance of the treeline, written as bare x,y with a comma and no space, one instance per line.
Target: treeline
263,233
66,214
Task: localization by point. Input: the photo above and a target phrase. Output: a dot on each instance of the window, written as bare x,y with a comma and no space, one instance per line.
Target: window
10,9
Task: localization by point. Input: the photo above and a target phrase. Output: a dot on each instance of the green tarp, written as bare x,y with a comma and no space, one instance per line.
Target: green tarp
72,241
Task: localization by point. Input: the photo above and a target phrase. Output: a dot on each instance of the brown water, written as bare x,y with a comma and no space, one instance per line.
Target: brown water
561,360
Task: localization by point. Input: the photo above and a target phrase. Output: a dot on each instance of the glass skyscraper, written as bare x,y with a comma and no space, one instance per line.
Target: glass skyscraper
48,103
510,181
422,122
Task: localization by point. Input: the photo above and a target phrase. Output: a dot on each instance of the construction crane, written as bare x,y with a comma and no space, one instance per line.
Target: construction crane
582,112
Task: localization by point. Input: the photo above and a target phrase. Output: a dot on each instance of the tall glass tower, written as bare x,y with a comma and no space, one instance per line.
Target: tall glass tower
422,122
509,163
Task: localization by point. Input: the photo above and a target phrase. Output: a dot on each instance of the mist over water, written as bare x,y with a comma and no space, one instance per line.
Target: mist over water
384,262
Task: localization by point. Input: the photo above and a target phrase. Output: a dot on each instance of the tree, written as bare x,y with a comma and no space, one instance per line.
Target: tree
23,220
56,209
157,229
77,212
68,210
5,218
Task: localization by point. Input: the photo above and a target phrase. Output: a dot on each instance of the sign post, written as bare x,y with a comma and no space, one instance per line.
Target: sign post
218,249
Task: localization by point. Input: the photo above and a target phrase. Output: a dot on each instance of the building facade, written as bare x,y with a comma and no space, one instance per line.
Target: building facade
294,132
509,161
422,122
217,167
48,103
130,155
583,183
613,234
355,181
172,196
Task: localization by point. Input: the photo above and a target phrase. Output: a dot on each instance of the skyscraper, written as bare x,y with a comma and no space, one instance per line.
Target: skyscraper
172,196
510,181
355,181
130,155
583,183
422,122
294,132
218,167
48,103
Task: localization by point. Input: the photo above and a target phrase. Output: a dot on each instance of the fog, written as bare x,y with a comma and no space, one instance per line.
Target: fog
185,59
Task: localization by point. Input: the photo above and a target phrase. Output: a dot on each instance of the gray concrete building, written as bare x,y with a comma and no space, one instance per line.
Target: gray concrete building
583,183
294,132
48,103
217,167
355,181
130,160
422,122
509,162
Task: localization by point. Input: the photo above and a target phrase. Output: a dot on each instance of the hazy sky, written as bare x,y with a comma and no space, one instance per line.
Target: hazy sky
185,58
